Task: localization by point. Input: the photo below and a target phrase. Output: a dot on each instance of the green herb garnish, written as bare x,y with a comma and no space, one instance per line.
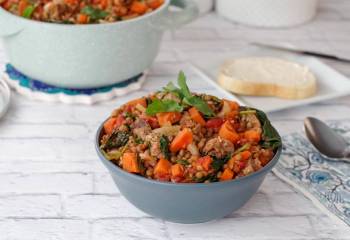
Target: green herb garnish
170,87
159,106
28,11
94,13
187,97
164,146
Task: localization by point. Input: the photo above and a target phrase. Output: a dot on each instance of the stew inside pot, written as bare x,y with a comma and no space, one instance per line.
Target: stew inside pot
80,11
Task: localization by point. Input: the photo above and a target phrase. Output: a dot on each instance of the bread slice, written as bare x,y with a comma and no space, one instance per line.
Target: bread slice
264,76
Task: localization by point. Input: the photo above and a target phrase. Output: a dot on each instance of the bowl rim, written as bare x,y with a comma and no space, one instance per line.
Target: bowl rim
136,177
70,26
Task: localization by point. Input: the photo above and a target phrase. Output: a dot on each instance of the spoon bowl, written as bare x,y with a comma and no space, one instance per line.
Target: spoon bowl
325,139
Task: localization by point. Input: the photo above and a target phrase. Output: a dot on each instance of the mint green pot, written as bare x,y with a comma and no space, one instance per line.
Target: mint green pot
86,56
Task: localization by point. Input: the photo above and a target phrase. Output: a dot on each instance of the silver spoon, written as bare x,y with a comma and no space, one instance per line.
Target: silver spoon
325,139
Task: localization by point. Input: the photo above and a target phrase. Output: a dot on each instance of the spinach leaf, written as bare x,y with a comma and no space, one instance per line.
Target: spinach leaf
164,146
159,106
116,140
210,177
94,13
270,137
218,163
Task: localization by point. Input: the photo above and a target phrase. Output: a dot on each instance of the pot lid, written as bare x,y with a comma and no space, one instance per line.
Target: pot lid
5,94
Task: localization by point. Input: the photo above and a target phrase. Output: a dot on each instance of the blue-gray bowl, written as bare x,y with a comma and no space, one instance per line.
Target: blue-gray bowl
185,202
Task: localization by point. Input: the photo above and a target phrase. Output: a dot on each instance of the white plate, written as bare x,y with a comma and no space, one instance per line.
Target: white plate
331,84
5,94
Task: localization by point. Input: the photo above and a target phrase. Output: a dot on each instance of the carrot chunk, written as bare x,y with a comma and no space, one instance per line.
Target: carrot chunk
130,163
82,18
113,123
138,7
108,126
196,116
205,162
177,170
168,118
228,132
252,136
245,155
162,168
22,6
226,175
182,139
233,105
154,4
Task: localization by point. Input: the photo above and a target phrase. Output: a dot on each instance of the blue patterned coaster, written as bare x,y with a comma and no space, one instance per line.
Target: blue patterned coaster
325,181
41,91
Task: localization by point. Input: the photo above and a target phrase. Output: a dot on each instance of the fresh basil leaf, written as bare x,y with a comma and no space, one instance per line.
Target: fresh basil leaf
181,81
200,105
170,87
28,11
270,137
94,13
164,146
160,106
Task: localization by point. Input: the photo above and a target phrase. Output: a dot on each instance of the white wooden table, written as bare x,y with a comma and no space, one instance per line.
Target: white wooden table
52,186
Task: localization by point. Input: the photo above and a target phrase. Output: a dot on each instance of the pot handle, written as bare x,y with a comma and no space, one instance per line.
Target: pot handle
175,19
9,24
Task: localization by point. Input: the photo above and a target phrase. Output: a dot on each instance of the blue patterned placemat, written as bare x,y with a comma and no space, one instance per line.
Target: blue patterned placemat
36,85
325,181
